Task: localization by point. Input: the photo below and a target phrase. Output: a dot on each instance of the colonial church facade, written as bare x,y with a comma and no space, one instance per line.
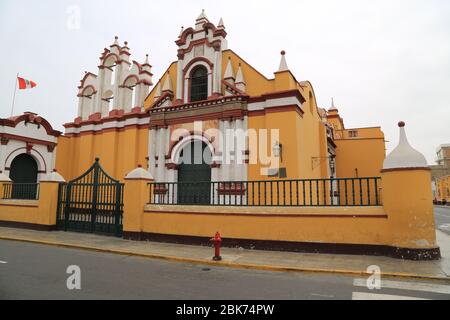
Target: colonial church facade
214,145
210,106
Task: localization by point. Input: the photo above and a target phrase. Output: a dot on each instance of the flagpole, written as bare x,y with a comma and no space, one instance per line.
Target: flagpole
14,97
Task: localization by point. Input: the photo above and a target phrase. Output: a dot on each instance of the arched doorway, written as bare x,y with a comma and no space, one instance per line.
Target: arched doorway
194,174
23,172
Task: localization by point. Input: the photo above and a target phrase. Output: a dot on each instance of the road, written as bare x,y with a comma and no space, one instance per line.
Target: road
31,271
442,216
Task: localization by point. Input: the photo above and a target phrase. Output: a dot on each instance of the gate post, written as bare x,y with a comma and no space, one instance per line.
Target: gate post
135,198
407,200
48,198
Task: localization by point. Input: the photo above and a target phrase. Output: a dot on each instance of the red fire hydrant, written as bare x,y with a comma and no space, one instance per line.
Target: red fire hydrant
217,240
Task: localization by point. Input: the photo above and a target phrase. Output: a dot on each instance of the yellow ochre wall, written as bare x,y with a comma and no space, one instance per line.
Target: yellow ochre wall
320,225
302,137
35,212
365,153
404,222
172,72
119,152
407,199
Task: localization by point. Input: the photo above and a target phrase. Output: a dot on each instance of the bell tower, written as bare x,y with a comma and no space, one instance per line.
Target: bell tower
200,46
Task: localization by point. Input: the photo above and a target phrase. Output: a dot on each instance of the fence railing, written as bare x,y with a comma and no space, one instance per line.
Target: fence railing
21,191
292,193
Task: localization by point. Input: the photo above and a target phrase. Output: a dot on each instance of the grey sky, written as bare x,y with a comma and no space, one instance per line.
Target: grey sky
383,61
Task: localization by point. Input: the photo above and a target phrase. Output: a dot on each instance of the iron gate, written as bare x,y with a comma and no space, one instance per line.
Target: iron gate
92,203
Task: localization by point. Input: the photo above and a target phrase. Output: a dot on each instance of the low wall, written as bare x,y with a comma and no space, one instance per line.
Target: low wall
349,225
402,227
32,214
350,230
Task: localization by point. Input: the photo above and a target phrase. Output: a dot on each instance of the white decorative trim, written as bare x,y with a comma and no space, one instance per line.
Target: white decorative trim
283,63
271,103
4,178
109,125
35,154
187,79
52,177
176,151
139,174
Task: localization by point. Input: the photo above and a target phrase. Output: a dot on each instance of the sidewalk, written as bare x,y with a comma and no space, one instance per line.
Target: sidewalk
249,259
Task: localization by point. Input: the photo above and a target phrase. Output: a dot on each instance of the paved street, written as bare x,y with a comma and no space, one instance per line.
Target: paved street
31,271
442,215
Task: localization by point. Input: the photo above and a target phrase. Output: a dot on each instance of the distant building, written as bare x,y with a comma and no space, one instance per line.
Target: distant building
440,174
442,190
443,155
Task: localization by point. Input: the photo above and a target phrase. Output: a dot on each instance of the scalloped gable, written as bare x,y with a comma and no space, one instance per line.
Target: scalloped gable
33,118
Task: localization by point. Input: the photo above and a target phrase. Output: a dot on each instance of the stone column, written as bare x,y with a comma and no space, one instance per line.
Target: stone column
179,95
101,85
152,151
217,70
117,89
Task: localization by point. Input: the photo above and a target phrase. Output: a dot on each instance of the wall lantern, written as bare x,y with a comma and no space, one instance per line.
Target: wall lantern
278,150
332,166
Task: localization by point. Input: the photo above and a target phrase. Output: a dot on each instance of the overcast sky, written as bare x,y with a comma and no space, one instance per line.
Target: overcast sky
382,61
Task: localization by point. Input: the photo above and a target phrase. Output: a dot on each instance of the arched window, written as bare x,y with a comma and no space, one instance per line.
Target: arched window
199,84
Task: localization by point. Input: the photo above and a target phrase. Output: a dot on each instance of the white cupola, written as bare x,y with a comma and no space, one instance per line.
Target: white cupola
404,155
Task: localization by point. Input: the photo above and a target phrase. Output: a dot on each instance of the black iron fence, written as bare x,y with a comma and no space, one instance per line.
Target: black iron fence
21,191
292,193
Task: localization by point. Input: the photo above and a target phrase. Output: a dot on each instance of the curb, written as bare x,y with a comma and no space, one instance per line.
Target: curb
228,264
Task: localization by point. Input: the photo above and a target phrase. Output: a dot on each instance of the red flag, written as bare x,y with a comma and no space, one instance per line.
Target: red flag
25,84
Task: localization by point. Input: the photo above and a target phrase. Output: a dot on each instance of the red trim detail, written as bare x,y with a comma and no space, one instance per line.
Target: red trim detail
211,65
109,55
125,116
7,136
42,158
215,165
231,188
233,88
116,113
132,76
216,32
33,118
158,189
191,133
92,132
186,69
172,166
85,77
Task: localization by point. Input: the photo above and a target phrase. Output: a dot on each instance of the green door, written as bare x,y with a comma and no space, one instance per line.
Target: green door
194,175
